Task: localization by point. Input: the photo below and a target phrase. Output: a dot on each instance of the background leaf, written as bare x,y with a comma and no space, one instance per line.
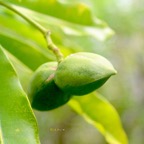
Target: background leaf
77,13
20,42
17,122
100,113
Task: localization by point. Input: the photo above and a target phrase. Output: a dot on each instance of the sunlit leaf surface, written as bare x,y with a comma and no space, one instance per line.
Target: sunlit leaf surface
17,122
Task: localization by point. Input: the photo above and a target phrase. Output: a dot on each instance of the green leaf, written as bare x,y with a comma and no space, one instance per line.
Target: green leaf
23,72
76,19
17,121
98,30
100,113
78,13
25,43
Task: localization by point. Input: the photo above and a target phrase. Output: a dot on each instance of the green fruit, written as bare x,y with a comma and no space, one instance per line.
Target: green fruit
43,92
82,73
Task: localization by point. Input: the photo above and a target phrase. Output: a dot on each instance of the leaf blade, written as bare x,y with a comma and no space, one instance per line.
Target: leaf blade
98,111
18,123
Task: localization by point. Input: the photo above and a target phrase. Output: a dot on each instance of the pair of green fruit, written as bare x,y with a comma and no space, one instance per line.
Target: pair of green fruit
53,84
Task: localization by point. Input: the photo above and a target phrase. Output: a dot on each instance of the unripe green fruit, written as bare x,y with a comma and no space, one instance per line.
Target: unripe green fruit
82,73
43,92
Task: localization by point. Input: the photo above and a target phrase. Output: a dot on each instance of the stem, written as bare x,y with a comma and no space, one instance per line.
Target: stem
44,31
53,47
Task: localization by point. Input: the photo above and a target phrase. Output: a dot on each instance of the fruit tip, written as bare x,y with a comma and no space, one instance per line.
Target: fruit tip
114,72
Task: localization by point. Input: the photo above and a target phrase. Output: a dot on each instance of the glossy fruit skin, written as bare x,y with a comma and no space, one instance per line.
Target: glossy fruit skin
82,73
43,92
